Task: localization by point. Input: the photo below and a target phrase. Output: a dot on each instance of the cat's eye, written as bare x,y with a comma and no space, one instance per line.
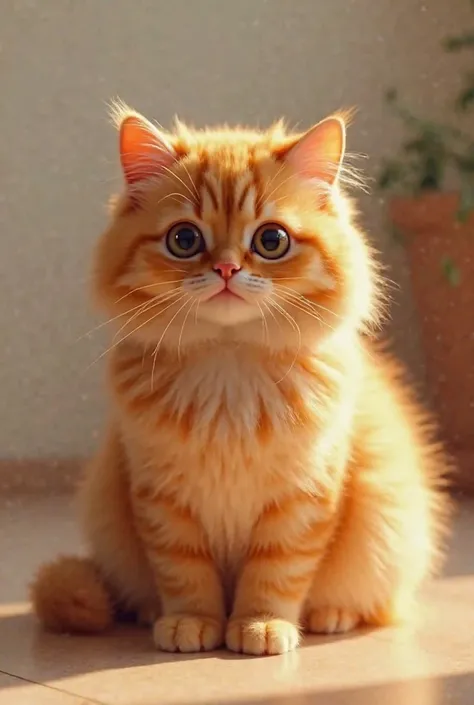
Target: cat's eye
185,240
271,241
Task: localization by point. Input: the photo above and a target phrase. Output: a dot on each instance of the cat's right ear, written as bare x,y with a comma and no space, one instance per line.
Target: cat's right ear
145,152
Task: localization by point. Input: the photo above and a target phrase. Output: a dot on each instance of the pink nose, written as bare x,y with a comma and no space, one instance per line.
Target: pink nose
226,269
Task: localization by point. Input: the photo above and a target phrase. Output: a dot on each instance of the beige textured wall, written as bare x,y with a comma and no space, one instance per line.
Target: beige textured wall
209,61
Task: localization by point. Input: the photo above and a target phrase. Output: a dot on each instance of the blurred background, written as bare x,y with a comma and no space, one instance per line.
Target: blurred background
250,61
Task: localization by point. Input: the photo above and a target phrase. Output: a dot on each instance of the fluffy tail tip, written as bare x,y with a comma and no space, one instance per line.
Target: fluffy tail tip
68,595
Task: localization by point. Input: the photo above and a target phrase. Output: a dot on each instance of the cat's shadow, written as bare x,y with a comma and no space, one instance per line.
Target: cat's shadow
44,657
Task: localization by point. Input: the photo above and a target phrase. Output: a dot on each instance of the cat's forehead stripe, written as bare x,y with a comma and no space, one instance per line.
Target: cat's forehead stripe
210,188
229,193
248,204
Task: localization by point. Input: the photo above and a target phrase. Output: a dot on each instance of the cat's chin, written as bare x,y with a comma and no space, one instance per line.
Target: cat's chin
228,310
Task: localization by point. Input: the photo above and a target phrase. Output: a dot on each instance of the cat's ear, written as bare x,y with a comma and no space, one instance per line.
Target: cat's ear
145,152
317,155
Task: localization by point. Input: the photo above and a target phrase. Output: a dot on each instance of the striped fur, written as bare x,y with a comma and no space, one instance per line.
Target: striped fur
265,470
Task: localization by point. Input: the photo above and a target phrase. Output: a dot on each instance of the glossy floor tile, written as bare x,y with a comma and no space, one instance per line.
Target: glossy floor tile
14,691
429,663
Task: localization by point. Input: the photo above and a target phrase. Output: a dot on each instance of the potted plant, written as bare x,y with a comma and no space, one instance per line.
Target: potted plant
437,229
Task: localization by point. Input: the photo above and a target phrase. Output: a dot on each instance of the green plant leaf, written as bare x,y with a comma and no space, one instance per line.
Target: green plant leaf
465,163
391,95
451,271
430,148
461,41
392,174
432,169
466,97
416,145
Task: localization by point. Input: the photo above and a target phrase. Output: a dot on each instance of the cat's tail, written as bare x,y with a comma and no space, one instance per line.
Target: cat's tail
69,595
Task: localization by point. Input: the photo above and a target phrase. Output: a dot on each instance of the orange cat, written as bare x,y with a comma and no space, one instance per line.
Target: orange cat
265,469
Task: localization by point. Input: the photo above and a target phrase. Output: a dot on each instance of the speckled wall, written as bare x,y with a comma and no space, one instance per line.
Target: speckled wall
209,61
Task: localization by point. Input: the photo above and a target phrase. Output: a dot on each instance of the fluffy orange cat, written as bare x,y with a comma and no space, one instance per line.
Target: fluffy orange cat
265,469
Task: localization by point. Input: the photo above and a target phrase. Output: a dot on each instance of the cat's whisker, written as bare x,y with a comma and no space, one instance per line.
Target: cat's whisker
147,306
156,350
152,164
108,321
304,305
176,194
295,327
196,192
268,185
264,303
173,174
305,310
181,181
150,180
284,313
314,305
293,293
145,350
197,309
193,301
132,332
280,199
141,309
278,186
130,310
299,306
277,279
148,286
297,297
138,188
266,337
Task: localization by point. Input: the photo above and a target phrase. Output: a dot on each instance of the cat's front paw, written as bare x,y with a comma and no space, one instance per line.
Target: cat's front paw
259,636
188,633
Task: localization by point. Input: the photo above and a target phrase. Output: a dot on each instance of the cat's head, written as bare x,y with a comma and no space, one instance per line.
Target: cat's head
233,234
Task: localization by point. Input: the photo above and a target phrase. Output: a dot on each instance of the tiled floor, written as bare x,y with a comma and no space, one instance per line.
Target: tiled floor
430,663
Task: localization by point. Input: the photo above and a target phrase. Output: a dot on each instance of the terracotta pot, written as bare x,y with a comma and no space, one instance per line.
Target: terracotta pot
431,233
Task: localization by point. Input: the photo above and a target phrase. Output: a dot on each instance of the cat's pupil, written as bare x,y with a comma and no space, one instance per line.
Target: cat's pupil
185,238
271,239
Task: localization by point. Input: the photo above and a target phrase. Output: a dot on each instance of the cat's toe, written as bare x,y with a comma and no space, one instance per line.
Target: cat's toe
259,636
187,633
332,620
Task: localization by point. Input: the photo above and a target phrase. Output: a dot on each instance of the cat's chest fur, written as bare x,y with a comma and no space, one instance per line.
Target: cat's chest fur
226,398
228,437
233,398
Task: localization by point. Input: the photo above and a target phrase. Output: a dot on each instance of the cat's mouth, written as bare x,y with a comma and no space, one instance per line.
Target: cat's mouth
225,295
226,307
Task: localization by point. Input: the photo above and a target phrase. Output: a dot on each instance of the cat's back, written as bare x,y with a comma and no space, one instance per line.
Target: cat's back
391,425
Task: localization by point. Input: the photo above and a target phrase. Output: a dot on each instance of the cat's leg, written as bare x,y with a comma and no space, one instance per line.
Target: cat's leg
382,549
188,582
287,543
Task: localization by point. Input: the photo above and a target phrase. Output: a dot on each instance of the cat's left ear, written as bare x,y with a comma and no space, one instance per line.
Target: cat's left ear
317,155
